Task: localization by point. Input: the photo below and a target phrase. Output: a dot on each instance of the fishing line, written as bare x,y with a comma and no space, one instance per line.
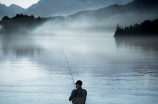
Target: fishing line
68,65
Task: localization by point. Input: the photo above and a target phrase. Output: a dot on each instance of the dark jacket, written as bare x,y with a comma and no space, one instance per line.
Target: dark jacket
79,92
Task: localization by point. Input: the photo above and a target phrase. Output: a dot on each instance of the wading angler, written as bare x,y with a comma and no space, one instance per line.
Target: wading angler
78,95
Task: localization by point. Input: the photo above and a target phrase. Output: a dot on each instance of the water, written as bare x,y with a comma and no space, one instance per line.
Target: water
33,69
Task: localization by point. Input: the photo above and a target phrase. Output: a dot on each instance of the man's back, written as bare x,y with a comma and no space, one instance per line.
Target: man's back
78,95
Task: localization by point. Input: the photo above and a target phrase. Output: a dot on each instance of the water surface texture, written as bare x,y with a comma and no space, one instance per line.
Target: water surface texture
33,69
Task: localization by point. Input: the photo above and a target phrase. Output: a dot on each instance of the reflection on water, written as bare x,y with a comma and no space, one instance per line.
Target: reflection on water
114,70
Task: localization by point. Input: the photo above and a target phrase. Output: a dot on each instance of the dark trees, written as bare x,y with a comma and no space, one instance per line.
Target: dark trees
147,28
21,24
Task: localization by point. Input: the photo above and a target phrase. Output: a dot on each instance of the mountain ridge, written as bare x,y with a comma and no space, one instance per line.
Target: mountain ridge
10,11
4,10
67,7
16,9
129,10
46,8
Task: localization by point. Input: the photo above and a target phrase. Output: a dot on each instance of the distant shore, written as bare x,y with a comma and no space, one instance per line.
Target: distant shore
147,28
23,24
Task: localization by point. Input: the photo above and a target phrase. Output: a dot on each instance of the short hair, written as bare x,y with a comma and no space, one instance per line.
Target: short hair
79,82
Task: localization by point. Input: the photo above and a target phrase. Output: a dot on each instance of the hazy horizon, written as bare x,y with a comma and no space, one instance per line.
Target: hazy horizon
23,3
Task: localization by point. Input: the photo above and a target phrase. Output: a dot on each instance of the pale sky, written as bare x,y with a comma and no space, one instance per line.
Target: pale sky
22,3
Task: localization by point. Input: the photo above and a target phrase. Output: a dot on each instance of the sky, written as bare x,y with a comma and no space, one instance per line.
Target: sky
22,3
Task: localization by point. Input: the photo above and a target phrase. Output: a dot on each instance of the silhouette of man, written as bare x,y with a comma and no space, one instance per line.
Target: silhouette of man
78,96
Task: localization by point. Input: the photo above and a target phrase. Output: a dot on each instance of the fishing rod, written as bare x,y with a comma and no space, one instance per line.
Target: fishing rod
68,65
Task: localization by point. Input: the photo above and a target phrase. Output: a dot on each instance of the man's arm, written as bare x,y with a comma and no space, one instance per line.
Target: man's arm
72,95
86,95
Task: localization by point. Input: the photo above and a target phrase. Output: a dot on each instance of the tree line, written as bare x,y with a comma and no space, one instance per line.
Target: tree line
22,24
147,28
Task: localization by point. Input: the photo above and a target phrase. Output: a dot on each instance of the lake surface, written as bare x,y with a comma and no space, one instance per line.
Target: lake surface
33,69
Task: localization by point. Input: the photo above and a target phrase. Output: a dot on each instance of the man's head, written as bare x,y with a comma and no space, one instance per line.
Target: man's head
78,83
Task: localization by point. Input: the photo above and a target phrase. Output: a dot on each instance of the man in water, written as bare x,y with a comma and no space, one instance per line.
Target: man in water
78,96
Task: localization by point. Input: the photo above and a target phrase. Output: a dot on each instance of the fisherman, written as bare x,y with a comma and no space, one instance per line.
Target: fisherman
78,96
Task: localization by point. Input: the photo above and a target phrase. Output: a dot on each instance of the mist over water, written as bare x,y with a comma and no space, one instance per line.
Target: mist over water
113,70
91,23
78,27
